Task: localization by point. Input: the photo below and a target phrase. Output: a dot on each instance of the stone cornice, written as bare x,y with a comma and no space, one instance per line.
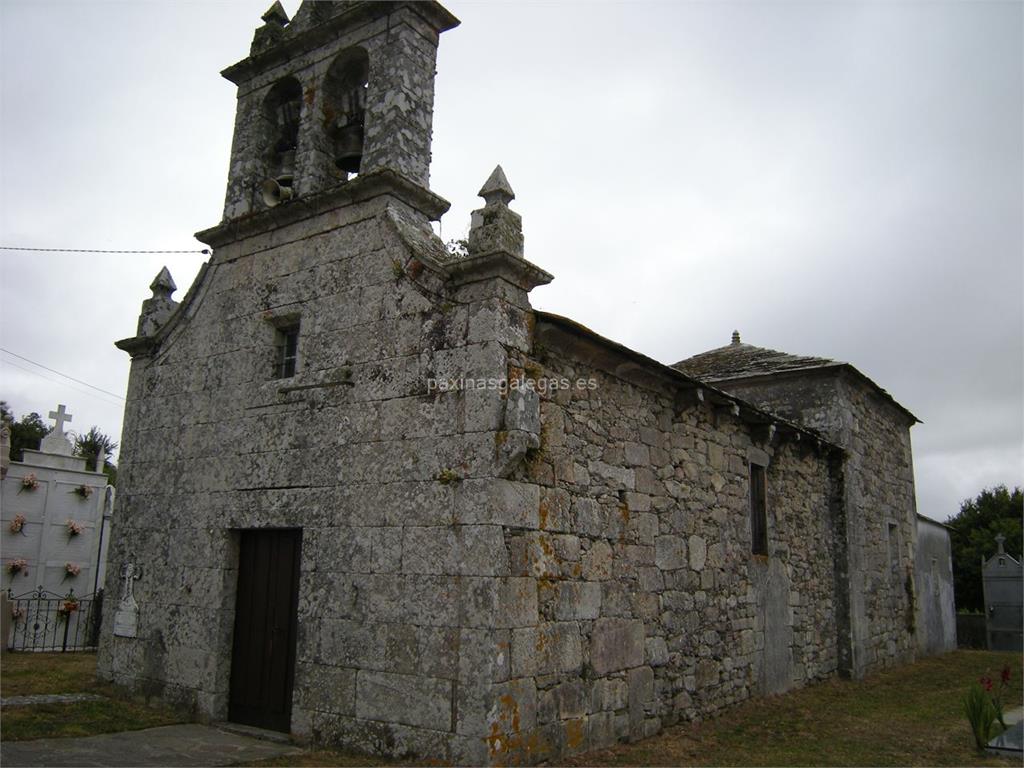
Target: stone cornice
137,346
500,264
364,187
362,13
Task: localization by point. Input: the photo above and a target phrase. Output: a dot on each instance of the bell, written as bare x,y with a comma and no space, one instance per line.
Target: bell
287,159
348,147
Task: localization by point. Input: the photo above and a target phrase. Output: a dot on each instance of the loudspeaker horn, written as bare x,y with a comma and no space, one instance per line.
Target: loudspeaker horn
274,193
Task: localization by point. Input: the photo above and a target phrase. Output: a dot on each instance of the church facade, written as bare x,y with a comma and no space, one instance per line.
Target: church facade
380,501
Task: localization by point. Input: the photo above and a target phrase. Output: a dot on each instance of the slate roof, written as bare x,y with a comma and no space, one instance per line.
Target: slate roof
741,361
737,361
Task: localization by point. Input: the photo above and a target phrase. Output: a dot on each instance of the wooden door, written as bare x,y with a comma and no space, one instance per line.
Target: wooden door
263,654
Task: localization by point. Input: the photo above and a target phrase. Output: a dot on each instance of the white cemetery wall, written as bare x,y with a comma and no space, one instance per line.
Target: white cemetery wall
44,542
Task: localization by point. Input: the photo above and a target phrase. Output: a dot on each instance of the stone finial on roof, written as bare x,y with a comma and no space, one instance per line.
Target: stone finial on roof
275,14
163,284
497,189
156,310
735,337
999,543
495,227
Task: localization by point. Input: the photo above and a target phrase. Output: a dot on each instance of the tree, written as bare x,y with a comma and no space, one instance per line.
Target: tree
973,536
91,446
27,433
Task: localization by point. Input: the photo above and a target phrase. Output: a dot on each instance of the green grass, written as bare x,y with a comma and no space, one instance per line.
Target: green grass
909,715
25,674
83,718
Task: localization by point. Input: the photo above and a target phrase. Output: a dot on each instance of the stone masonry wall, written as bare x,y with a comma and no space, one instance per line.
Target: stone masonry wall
879,492
406,595
651,606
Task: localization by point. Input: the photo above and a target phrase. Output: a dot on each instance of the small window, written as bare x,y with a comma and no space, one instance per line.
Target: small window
287,341
894,548
758,511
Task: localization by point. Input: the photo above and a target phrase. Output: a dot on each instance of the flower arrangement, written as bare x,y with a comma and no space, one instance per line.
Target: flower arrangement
68,607
17,613
74,528
83,490
29,482
18,566
18,524
71,570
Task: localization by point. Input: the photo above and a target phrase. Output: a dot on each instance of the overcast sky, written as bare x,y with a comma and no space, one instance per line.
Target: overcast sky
841,179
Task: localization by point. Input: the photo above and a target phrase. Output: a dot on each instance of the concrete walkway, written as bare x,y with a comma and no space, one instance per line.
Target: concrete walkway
171,745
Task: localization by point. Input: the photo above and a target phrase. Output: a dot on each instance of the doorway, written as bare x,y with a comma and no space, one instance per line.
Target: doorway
266,624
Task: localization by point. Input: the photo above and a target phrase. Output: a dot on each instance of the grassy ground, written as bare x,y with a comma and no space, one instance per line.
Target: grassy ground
905,716
24,674
909,715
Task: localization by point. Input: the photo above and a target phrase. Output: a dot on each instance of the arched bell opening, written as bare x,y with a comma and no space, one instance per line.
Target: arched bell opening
282,110
344,109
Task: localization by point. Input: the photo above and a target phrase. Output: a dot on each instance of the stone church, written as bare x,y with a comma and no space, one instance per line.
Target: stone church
379,501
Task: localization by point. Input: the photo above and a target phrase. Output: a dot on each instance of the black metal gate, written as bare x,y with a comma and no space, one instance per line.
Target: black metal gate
45,621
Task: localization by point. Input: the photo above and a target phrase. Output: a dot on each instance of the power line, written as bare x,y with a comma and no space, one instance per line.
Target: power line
58,382
205,251
54,370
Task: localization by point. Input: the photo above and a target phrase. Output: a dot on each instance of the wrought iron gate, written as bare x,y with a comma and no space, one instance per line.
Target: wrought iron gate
45,621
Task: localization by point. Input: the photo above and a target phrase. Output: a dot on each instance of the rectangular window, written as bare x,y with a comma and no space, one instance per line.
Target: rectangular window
758,511
894,548
287,341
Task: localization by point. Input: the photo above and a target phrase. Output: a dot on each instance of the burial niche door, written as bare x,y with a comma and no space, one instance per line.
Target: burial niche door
263,652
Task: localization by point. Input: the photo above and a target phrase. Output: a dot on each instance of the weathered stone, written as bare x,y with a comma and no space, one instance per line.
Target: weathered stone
597,562
609,694
616,644
670,552
412,700
641,692
698,552
578,600
548,648
656,651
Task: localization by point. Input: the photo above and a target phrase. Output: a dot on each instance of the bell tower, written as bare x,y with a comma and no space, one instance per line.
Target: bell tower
343,90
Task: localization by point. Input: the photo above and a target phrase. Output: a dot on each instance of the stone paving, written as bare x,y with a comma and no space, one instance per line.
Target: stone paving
49,698
172,745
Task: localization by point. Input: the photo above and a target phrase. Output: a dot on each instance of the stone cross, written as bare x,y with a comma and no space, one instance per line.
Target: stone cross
130,572
999,543
126,619
60,416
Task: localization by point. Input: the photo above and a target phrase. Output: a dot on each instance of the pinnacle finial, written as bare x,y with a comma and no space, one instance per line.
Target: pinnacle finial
497,189
276,14
735,337
163,284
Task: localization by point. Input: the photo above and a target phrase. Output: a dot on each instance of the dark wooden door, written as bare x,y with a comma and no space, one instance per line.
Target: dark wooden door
263,655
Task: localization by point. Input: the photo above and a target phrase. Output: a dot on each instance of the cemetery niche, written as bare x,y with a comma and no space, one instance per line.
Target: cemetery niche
55,525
